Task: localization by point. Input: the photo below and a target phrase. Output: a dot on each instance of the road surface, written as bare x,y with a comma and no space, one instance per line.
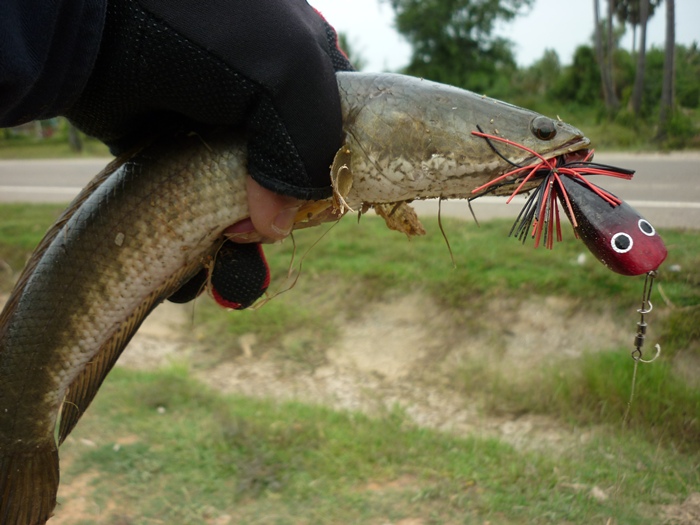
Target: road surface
665,189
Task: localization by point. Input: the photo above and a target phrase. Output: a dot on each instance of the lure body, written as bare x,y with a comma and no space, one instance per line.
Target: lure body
618,236
615,233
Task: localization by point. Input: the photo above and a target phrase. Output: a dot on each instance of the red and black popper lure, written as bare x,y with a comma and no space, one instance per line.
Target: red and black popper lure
613,231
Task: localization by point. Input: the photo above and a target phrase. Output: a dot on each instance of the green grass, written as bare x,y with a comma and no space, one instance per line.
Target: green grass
21,228
488,263
595,390
51,148
191,455
622,133
167,449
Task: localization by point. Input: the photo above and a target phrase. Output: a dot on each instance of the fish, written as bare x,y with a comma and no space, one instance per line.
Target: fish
154,218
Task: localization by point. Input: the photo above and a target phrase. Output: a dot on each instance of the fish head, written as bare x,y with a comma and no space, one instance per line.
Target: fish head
617,235
418,135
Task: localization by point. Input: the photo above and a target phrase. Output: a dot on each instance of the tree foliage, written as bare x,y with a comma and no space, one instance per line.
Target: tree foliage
453,42
630,12
358,61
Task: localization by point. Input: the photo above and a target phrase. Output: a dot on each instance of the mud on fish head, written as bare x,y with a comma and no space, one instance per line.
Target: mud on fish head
618,236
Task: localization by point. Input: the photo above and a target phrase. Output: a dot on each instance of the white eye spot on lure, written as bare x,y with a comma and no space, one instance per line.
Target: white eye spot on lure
621,242
646,228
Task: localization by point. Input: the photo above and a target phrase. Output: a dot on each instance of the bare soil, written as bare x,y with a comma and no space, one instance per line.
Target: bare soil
400,352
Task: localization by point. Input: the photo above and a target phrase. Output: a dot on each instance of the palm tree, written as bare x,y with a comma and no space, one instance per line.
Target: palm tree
669,70
637,92
605,56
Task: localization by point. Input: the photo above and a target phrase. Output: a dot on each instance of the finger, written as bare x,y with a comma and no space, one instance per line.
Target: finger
272,215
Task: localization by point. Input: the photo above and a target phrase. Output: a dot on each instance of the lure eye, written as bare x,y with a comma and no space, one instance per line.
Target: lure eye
543,128
621,242
646,228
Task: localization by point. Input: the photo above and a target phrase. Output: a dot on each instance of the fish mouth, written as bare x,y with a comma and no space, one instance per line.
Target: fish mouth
576,150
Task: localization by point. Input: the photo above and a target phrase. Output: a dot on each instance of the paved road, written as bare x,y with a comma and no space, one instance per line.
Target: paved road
665,189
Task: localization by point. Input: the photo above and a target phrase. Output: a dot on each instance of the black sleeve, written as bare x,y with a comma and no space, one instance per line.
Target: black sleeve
47,50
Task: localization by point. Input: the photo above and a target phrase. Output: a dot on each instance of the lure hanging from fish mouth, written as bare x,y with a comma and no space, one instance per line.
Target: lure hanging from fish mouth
612,230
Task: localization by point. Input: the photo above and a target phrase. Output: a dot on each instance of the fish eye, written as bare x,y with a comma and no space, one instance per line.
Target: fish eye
646,227
543,128
621,242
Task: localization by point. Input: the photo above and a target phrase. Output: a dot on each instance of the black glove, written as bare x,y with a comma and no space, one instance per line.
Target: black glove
239,276
266,67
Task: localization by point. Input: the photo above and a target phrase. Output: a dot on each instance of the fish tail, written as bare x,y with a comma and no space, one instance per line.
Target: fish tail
28,485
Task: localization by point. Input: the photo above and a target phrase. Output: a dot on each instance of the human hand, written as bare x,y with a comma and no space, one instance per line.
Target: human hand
266,67
240,275
271,216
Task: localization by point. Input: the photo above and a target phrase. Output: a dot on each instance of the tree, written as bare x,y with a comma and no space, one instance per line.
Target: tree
637,13
630,12
604,54
666,109
638,90
541,77
580,82
358,61
453,40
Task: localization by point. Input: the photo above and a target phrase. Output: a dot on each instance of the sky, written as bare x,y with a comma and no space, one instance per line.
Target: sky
561,25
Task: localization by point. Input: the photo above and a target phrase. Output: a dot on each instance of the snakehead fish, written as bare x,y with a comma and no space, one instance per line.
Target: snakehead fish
152,220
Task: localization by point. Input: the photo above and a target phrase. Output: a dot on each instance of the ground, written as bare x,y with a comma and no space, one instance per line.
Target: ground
394,353
398,351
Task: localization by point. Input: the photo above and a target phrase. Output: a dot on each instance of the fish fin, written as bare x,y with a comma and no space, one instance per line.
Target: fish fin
52,232
400,217
84,387
28,485
191,289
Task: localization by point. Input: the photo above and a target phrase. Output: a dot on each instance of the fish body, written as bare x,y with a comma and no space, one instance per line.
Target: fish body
151,221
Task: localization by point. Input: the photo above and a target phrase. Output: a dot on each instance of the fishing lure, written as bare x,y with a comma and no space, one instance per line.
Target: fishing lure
615,233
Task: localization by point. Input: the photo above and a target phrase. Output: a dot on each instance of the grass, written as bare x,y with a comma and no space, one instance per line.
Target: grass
21,228
595,390
487,263
55,146
50,150
263,462
160,447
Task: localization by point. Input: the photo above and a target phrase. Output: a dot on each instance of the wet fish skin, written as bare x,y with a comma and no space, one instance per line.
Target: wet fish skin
142,233
410,138
148,225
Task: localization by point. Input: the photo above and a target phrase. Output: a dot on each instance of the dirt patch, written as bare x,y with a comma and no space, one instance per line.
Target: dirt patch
400,353
76,502
687,513
160,339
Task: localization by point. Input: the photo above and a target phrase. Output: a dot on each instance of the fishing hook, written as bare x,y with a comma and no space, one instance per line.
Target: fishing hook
646,308
639,340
